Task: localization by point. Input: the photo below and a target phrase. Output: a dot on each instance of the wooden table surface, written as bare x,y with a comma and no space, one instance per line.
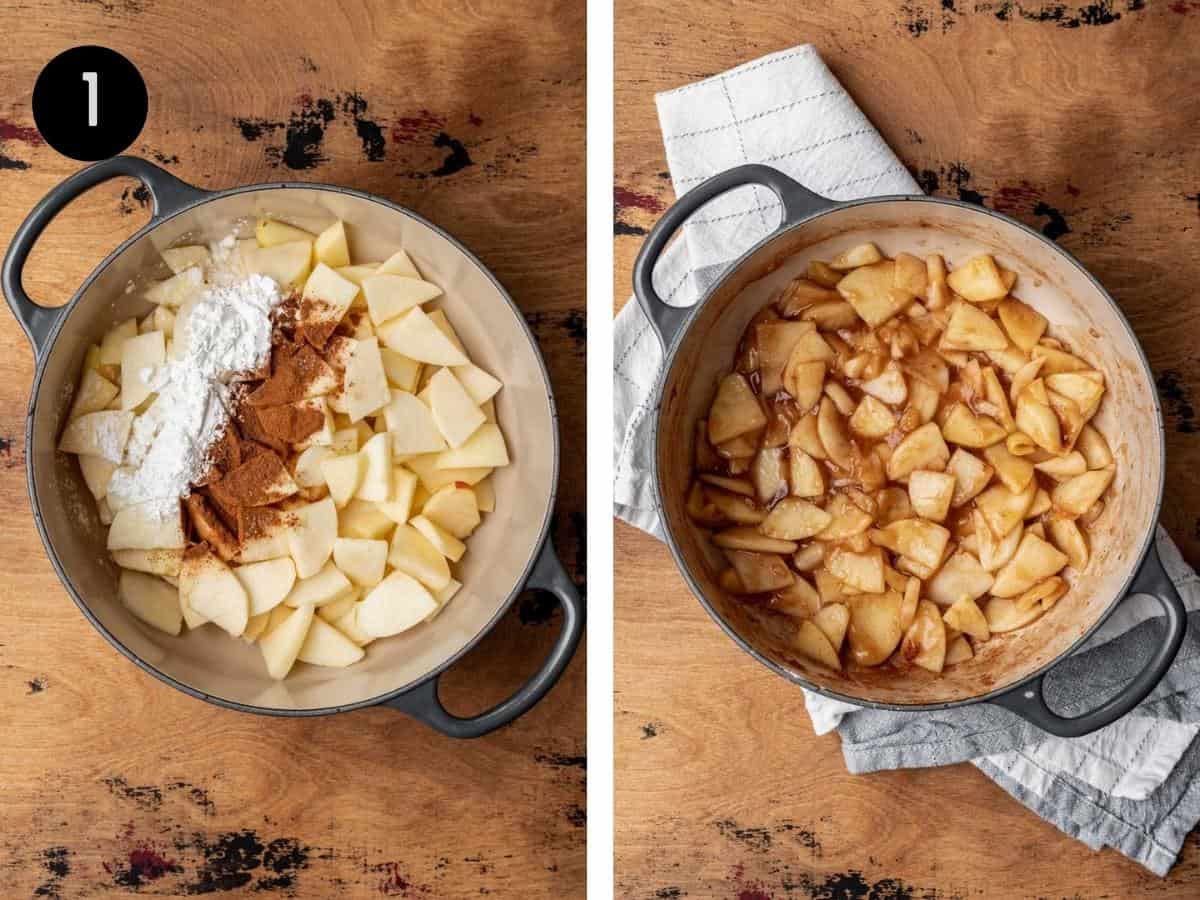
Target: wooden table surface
1081,122
112,783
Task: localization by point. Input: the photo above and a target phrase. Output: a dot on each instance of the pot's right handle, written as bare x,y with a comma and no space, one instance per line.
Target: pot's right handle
1029,702
424,703
798,202
167,192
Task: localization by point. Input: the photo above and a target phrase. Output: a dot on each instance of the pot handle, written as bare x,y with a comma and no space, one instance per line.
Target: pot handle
1029,702
798,203
423,702
167,192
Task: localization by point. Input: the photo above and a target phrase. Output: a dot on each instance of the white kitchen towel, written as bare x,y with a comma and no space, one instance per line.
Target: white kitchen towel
1123,786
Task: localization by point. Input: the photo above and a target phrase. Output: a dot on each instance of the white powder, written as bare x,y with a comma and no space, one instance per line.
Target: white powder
228,334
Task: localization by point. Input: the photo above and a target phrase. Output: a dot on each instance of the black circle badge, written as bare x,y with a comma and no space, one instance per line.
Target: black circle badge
90,103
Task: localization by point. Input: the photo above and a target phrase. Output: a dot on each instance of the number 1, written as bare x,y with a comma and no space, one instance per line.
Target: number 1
93,80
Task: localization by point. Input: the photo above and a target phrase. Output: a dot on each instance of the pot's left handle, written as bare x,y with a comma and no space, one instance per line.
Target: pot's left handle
167,192
798,203
423,702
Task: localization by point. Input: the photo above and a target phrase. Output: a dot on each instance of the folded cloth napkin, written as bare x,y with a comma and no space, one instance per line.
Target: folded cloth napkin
1128,786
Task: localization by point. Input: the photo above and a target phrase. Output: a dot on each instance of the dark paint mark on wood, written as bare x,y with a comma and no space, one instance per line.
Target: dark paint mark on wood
307,64
197,795
914,136
37,685
57,863
915,19
1177,399
370,134
1056,225
762,839
108,7
669,893
458,159
144,796
164,159
8,163
624,198
139,195
652,730
623,229
11,131
235,859
561,761
418,128
573,323
853,885
396,883
960,177
577,815
474,119
1072,190
143,866
304,136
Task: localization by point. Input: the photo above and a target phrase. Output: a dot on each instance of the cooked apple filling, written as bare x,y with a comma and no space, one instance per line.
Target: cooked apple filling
329,509
901,460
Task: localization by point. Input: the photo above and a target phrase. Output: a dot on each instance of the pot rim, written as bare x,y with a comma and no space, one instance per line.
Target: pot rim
785,227
65,311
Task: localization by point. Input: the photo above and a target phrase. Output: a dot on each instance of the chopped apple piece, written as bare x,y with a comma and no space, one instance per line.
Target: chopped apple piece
966,429
343,474
919,540
485,449
970,328
960,576
312,535
747,538
389,296
399,505
1075,497
365,384
813,643
266,583
804,381
376,481
774,343
872,419
102,434
735,411
1066,535
1003,510
1024,324
833,620
457,416
1015,472
859,255
307,469
760,572
1085,389
831,430
978,279
162,562
147,526
1034,561
1044,594
363,561
1062,468
861,571
872,292
911,274
971,476
331,248
329,585
281,644
399,263
930,494
965,615
209,587
1003,615
1056,361
924,448
793,519
412,553
173,292
325,645
1094,448
288,263
151,600
924,642
402,372
179,259
97,472
95,394
418,337
412,426
446,543
798,599
271,233
394,605
874,630
363,519
807,480
453,509
994,552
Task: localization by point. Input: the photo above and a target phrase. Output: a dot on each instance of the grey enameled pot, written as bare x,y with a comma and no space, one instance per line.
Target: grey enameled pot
511,552
699,343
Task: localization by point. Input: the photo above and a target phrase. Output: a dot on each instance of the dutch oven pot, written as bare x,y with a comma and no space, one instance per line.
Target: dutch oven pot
699,344
511,552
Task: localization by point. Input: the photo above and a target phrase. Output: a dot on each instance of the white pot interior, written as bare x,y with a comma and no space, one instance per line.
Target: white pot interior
1080,314
500,552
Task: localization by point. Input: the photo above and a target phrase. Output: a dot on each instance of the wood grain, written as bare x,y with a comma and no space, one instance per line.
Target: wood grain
112,783
1078,120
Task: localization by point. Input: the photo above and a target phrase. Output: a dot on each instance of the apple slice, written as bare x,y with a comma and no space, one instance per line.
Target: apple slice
453,508
376,482
483,449
362,519
401,372
412,426
307,469
288,263
812,642
389,296
443,597
447,544
362,560
457,416
266,583
210,588
176,290
146,351
398,506
102,434
434,476
411,552
272,233
95,393
97,472
154,562
256,626
485,496
331,248
479,384
147,526
312,535
114,339
343,474
396,604
152,600
356,273
399,263
364,385
324,645
327,586
418,337
281,644
179,259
